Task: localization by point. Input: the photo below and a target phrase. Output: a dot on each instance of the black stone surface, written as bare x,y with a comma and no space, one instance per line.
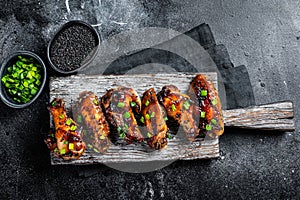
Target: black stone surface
262,35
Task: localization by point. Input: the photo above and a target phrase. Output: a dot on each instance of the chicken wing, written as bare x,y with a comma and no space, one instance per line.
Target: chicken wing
153,116
67,142
119,106
88,113
206,96
180,108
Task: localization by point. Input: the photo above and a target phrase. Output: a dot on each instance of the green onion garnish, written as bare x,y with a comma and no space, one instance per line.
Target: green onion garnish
71,146
132,104
142,119
102,137
96,150
90,146
56,150
203,93
214,102
169,136
127,115
186,105
121,104
73,128
53,103
122,135
149,135
63,151
202,114
147,103
79,118
96,102
61,116
173,107
214,121
208,127
66,142
126,127
119,129
166,118
153,114
68,122
21,80
147,116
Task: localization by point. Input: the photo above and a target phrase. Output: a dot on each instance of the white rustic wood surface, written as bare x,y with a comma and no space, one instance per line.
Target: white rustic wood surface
70,87
275,116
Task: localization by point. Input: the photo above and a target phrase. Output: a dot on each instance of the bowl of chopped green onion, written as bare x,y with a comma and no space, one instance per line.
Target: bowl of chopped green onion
23,76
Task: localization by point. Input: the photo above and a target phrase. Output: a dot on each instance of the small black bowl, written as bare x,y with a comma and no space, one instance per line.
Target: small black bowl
60,48
9,61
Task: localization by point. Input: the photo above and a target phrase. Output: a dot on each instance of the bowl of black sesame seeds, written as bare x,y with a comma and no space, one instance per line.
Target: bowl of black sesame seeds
73,47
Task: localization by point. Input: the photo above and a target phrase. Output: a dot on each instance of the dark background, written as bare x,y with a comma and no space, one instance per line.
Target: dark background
263,35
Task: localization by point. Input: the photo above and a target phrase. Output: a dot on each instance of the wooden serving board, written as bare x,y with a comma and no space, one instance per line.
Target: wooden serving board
278,116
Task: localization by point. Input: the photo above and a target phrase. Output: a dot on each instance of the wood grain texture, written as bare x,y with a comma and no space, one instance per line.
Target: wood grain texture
276,116
180,148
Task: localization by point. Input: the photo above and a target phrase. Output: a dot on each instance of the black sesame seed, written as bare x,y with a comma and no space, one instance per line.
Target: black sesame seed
72,46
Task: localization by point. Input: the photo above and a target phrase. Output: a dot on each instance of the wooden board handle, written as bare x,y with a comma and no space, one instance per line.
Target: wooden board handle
276,116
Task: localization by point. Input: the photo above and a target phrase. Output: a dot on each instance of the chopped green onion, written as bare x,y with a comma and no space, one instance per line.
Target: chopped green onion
202,114
53,103
127,115
90,146
79,118
153,114
126,127
186,104
96,150
122,135
68,122
63,151
61,116
71,146
119,129
147,116
142,119
166,118
102,137
214,102
149,135
66,142
173,107
22,80
203,93
169,136
214,121
95,102
121,104
56,150
208,127
147,103
132,104
73,128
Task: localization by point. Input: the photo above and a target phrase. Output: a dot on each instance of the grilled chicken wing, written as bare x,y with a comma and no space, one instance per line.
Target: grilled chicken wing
119,106
153,116
204,93
96,129
180,108
67,142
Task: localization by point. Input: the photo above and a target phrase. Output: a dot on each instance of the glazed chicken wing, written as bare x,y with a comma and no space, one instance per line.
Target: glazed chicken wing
66,142
96,129
119,106
153,116
180,108
204,93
